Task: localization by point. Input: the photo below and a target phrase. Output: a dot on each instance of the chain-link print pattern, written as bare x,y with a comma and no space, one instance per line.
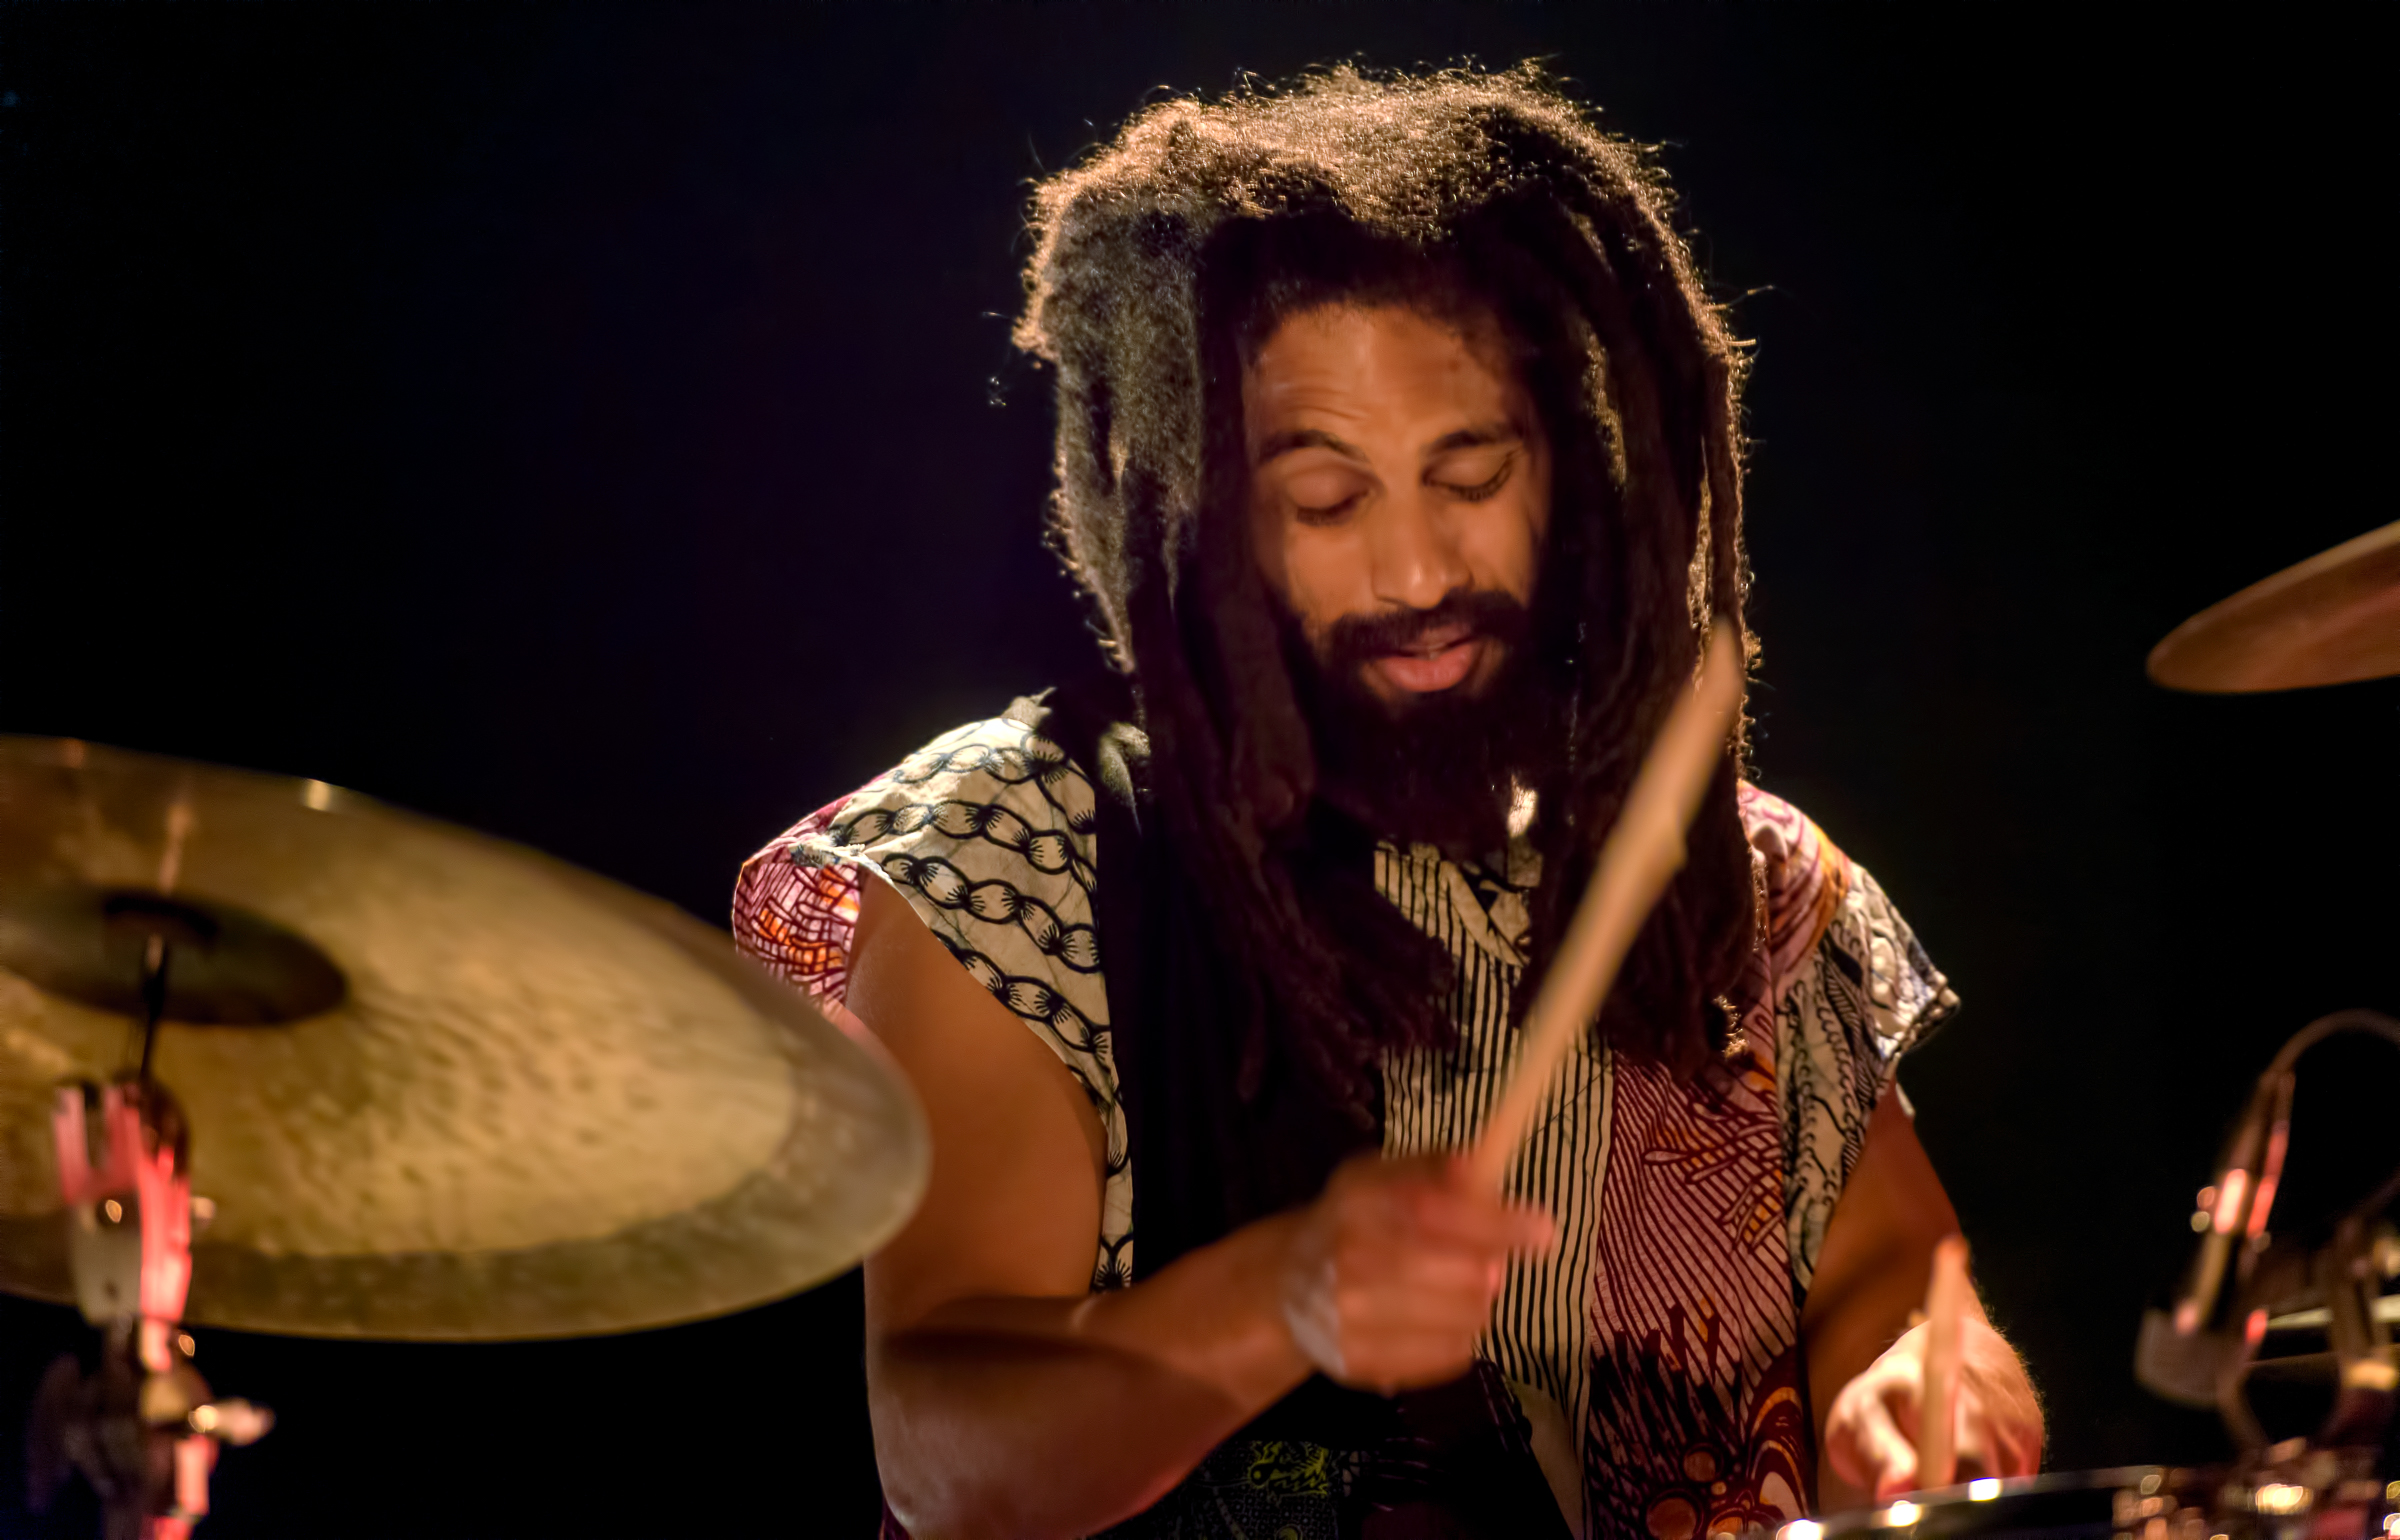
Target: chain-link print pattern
995,902
1050,852
1034,1000
1047,836
989,833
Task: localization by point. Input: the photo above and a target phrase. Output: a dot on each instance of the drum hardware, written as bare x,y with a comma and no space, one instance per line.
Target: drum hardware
2243,1281
2244,1288
2332,619
2329,620
2387,1308
145,1429
655,1132
2294,1492
440,1088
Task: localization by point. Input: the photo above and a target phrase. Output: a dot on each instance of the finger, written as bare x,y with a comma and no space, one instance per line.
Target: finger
1846,1453
1401,1308
1390,1365
2020,1448
1890,1455
1418,1216
1992,1445
1403,1270
1435,1171
1398,1254
1461,1318
1537,1232
1458,1178
1861,1438
1973,1439
1478,1220
1375,1181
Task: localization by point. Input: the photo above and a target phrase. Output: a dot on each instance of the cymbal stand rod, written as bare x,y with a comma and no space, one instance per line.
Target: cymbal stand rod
156,951
155,957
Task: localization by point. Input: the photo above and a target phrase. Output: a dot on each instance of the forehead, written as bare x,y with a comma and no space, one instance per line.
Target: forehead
1351,359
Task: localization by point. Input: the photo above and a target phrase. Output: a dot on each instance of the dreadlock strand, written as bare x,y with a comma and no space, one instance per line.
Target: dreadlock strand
1152,257
1647,1007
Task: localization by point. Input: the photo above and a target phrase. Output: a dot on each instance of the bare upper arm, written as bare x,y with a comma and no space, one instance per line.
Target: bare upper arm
1013,1203
1872,1269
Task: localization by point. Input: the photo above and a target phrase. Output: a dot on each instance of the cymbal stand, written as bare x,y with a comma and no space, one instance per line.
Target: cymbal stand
145,1428
2243,1279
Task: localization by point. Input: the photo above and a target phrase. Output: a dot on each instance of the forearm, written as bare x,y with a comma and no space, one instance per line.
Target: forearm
1039,1417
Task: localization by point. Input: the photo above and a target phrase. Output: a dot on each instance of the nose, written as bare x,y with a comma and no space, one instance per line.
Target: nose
1413,552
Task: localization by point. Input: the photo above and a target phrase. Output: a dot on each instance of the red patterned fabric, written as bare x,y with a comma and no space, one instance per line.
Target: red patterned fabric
797,917
1695,1331
1699,1421
1665,1332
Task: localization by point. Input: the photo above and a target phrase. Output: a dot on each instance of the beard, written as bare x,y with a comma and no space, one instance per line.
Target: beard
1444,767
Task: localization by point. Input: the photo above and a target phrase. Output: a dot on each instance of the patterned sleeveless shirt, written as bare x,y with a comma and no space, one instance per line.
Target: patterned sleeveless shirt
1656,1351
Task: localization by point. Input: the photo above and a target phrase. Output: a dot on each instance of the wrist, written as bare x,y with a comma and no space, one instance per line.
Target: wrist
1215,1316
1285,1251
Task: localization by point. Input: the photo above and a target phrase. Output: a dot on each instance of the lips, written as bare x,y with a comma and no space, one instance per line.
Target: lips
1440,660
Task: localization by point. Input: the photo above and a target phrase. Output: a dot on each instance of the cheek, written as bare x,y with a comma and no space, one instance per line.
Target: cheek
1313,570
1271,550
1508,542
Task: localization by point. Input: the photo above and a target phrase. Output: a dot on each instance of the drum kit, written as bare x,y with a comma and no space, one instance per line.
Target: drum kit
277,1057
2316,1305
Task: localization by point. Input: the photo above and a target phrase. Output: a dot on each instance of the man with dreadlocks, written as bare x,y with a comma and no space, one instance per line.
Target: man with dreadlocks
1398,453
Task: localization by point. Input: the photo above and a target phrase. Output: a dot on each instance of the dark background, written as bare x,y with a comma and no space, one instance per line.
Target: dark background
598,426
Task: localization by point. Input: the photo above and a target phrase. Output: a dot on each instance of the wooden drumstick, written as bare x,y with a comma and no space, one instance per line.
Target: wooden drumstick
1937,1396
1639,857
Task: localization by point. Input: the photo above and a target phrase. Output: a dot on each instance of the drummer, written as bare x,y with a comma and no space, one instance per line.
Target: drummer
1397,456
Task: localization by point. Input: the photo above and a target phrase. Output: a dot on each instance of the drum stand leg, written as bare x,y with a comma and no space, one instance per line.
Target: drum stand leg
144,1429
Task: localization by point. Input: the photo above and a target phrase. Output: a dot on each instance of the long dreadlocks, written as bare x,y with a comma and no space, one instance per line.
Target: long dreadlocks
1169,254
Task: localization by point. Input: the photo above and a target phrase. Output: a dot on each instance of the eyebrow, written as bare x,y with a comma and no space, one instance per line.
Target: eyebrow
1291,439
1477,437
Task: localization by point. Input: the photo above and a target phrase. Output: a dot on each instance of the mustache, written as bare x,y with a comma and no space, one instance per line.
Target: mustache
1355,640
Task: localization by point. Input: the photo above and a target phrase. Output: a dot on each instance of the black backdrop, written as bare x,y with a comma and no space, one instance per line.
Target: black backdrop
597,426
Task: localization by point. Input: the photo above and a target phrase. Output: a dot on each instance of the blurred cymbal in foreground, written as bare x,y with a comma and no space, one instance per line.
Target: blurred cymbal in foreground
2332,619
439,1086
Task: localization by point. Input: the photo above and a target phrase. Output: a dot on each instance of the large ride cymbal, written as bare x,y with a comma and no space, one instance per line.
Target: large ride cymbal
439,1087
2332,619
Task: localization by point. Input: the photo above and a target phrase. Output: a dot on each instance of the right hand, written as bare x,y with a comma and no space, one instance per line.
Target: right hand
1391,1273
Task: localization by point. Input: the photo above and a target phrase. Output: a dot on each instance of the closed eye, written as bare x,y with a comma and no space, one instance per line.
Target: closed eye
1484,488
1330,513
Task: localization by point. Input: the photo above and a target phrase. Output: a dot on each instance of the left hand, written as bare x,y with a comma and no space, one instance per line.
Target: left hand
1871,1433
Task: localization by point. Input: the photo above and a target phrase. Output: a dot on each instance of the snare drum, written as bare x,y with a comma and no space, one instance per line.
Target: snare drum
2304,1495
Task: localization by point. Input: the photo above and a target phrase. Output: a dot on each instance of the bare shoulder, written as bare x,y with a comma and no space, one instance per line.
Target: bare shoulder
1891,1213
1018,1150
